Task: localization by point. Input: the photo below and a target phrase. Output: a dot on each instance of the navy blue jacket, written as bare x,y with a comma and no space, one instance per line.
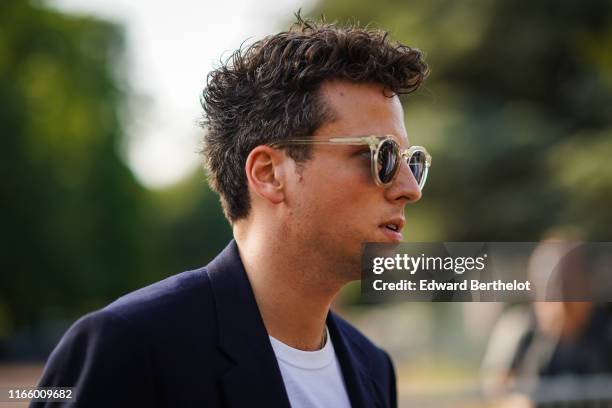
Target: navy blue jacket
198,339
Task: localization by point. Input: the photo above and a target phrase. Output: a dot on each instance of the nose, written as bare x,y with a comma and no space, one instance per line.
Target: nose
404,189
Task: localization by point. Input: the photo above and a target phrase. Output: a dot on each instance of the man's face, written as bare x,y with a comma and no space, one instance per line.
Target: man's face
337,205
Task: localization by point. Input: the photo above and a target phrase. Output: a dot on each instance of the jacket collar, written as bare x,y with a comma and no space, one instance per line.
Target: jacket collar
256,378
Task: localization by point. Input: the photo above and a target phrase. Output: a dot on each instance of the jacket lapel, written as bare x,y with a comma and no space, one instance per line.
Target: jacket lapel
255,380
359,384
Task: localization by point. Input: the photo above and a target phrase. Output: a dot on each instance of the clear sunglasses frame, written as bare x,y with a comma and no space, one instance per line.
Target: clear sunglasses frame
375,143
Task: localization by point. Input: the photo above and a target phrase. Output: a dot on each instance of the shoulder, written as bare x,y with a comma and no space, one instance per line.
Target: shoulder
138,340
163,313
187,291
154,318
160,309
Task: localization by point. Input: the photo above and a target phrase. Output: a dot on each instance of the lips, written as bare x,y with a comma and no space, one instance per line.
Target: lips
392,229
394,224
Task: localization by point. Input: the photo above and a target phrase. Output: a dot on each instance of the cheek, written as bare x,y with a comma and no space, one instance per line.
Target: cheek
349,205
333,193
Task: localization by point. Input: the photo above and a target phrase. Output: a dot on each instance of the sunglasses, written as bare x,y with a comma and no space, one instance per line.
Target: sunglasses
385,156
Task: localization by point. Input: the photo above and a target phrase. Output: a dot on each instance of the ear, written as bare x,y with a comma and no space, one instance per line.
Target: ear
265,173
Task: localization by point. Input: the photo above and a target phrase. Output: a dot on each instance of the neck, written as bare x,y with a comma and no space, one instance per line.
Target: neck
292,288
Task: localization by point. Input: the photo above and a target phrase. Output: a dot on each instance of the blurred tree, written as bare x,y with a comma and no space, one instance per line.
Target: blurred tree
76,226
78,230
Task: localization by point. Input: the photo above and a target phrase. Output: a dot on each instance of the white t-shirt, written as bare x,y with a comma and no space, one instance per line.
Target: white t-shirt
313,379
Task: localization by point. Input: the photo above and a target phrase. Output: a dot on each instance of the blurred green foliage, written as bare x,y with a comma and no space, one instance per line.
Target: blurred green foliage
517,113
77,229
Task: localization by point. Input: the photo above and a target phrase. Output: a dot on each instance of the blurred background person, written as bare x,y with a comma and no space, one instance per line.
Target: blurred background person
563,336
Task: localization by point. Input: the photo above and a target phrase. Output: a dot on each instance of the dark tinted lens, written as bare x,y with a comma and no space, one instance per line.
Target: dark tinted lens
387,161
417,164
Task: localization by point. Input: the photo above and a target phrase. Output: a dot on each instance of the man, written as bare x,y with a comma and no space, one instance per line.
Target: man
296,147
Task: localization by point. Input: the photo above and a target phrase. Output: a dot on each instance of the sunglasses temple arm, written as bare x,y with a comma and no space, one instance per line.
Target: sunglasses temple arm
334,141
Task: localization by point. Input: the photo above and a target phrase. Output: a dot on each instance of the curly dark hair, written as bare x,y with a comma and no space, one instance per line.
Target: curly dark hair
268,92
